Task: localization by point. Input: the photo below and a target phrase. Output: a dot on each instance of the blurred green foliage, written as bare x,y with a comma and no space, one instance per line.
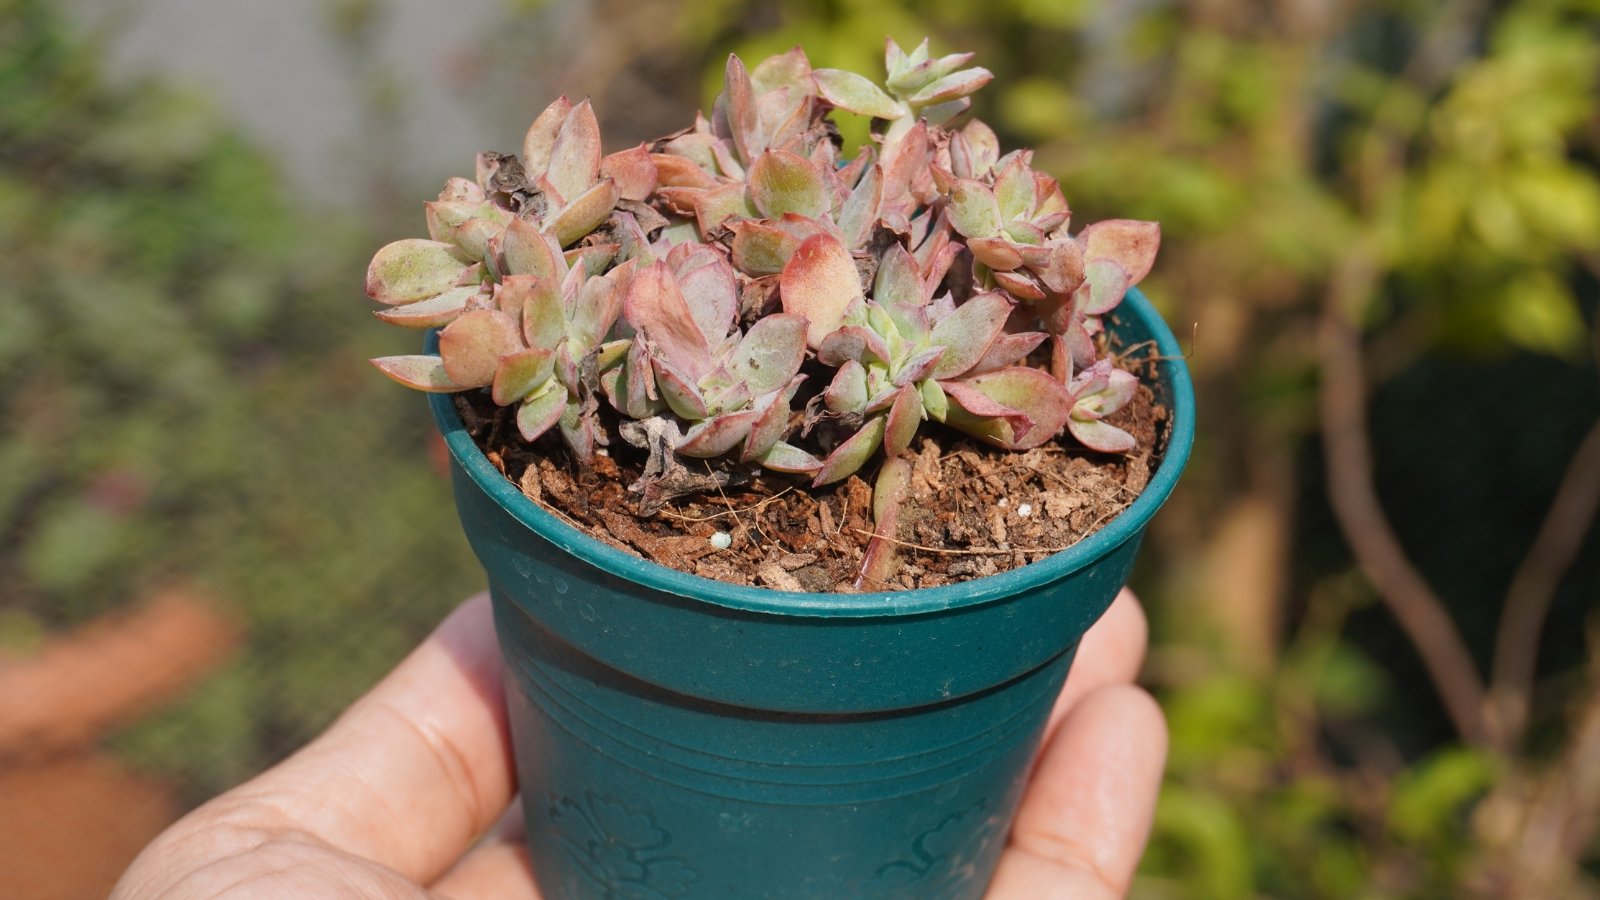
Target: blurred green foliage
187,401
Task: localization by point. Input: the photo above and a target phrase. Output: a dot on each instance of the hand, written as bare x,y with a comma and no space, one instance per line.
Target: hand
340,820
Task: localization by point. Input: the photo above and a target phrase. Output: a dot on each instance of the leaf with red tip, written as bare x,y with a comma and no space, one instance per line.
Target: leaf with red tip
536,304
853,343
919,366
575,157
790,69
770,353
679,390
848,458
679,171
435,312
1019,284
855,93
1102,390
1061,267
472,239
847,392
714,207
860,210
898,289
424,373
1102,436
740,109
472,345
900,426
974,150
458,190
820,282
782,183
594,259
539,414
952,87
973,210
1014,190
520,373
718,435
541,136
584,214
1007,350
772,421
589,320
633,171
789,458
998,254
655,306
1016,408
411,270
967,333
444,217
712,295
1127,242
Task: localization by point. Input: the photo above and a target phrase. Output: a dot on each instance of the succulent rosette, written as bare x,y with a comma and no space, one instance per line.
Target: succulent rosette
741,294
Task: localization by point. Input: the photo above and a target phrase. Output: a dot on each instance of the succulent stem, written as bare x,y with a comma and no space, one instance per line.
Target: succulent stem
888,494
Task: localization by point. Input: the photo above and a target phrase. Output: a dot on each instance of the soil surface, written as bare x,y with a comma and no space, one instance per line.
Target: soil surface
974,510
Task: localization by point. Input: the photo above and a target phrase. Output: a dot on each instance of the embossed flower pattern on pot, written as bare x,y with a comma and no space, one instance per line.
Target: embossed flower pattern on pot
620,848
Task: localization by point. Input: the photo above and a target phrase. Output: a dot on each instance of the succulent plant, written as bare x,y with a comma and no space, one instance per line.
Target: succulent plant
739,295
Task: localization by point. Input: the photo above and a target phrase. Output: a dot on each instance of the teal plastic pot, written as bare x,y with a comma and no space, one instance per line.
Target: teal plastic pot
681,737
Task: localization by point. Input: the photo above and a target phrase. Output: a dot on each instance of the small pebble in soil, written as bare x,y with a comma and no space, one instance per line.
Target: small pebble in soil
1003,501
1024,509
722,540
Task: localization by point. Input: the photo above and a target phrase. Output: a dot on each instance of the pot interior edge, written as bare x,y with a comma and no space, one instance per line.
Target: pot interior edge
1178,391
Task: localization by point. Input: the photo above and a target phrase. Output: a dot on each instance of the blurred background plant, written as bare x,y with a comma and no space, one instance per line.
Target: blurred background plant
1373,600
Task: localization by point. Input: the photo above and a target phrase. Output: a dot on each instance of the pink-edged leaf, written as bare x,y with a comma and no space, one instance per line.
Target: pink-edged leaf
770,353
712,294
593,259
443,217
472,345
633,171
580,432
1016,408
524,250
921,365
1105,283
968,333
974,150
784,114
884,398
998,254
424,373
584,214
952,86
680,171
820,282
934,401
973,210
435,312
1051,210
462,189
539,414
597,306
1023,233
1014,190
852,92
1127,242
789,458
848,458
852,342
740,109
847,392
575,156
782,183
411,270
860,210
900,425
716,206
1102,436
541,136
1058,264
535,303
760,248
717,435
1101,390
1078,344
472,239
519,373
728,161
790,70
632,388
772,421
1020,284
1007,350
655,306
679,390
898,286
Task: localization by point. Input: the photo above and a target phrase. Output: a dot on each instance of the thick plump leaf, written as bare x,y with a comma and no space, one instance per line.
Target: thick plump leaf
539,414
934,401
520,373
1105,283
759,248
1014,190
633,171
1127,242
852,92
848,458
921,365
716,206
424,373
1098,435
654,305
973,210
525,251
974,150
772,421
598,305
679,391
998,254
783,183
898,289
770,353
575,157
536,302
900,426
1102,390
1038,405
434,312
789,458
584,214
847,393
820,283
740,108
952,86
673,170
853,343
411,270
472,345
712,294
717,436
541,136
967,333
1020,284
1007,350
